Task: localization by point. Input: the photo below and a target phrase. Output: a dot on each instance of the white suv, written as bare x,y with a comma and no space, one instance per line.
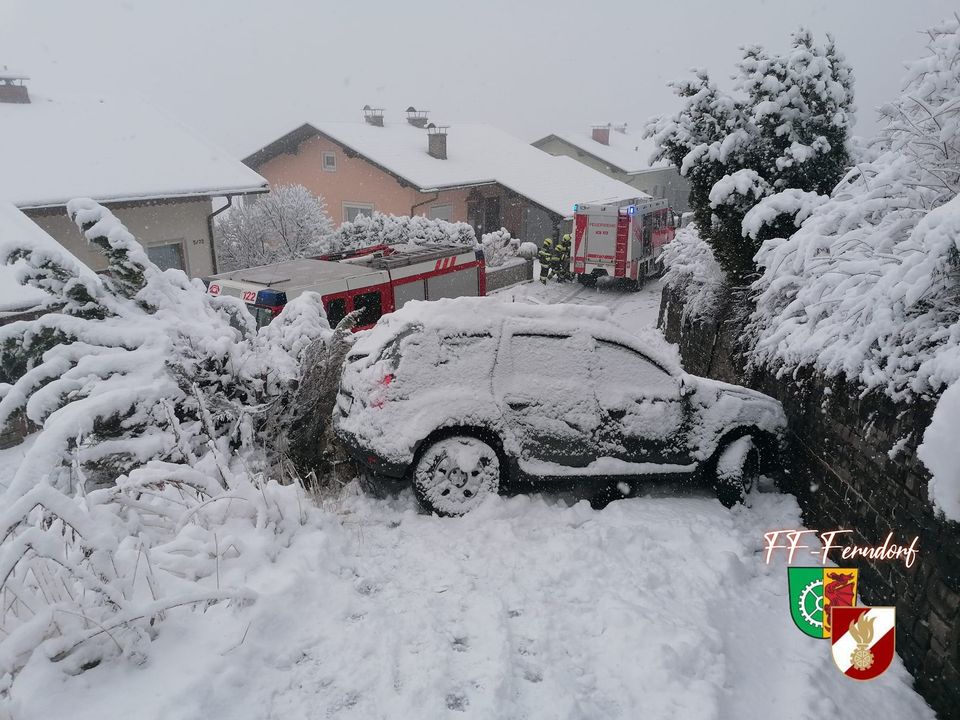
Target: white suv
464,397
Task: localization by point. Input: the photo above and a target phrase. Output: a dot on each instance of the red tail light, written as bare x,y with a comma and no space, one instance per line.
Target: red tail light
377,398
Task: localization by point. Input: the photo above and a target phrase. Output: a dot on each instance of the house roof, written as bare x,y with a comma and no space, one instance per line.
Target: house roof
628,152
111,150
476,155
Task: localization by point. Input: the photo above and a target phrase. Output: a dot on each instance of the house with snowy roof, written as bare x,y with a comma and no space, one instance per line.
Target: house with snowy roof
610,148
466,173
157,176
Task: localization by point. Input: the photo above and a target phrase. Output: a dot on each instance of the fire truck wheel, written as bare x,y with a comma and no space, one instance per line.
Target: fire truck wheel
587,280
454,474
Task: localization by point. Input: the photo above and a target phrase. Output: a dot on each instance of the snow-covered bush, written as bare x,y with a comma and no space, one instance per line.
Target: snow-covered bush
869,286
381,229
784,126
528,250
693,271
499,247
148,466
287,223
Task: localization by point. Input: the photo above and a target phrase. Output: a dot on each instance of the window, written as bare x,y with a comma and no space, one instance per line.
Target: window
336,310
441,212
539,359
167,256
352,210
330,161
371,308
620,366
262,315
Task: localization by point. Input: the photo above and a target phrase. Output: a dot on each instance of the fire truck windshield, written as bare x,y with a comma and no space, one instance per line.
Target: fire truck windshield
262,315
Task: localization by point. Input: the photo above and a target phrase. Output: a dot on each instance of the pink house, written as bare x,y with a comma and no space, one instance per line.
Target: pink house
470,173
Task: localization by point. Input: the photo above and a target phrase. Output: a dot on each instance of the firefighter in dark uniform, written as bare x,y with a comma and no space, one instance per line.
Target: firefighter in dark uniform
563,259
547,258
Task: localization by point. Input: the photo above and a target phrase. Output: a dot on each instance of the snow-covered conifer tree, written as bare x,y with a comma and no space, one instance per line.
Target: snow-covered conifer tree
151,402
785,125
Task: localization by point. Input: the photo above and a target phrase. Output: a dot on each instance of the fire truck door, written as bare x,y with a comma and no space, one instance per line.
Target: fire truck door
405,292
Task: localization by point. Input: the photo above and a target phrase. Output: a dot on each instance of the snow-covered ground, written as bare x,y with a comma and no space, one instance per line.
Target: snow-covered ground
658,606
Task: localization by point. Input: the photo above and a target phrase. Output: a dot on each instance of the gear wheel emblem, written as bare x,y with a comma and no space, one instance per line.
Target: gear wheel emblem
811,603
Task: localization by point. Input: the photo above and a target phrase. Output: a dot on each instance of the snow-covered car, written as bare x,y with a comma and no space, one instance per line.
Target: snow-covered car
465,397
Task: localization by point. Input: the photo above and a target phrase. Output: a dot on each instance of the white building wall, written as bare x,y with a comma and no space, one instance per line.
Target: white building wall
170,232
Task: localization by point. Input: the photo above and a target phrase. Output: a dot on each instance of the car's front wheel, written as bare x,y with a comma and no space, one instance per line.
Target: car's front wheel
453,475
737,470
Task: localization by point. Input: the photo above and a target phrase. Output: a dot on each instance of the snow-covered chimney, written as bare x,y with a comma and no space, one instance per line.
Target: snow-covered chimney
601,133
417,118
621,128
12,88
373,116
437,141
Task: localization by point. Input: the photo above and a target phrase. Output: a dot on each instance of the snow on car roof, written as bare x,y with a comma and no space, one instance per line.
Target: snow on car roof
108,149
478,154
477,315
629,151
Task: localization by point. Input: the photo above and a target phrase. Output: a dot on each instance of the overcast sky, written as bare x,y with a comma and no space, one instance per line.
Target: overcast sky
242,72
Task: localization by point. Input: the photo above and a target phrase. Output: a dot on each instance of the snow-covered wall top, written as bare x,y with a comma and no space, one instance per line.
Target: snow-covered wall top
109,149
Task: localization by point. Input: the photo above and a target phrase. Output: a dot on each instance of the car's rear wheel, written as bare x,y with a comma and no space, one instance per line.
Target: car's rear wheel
454,474
737,470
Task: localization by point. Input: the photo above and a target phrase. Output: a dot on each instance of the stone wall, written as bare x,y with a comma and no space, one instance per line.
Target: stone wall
852,464
511,273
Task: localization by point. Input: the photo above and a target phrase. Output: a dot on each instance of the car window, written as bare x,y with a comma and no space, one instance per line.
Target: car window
442,360
618,366
544,358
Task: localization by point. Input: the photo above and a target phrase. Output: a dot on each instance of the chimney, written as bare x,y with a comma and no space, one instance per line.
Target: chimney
12,89
437,141
601,133
373,116
417,118
621,128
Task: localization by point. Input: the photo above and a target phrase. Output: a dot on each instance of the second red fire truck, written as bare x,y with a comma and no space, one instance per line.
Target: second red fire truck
620,241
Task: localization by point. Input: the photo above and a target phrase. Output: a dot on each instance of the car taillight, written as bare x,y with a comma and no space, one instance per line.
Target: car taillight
377,397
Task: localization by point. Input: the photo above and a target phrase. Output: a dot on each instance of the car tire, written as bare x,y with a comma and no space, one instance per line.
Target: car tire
454,474
736,470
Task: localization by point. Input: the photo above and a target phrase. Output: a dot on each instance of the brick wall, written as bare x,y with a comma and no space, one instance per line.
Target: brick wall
840,467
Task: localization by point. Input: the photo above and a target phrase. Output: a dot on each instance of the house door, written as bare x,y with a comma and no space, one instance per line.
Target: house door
491,214
483,213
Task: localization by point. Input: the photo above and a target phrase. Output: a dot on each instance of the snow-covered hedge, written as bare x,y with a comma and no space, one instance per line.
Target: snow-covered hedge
378,229
869,286
147,473
693,271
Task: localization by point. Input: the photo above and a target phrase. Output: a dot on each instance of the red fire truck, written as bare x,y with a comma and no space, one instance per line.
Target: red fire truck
375,280
623,242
